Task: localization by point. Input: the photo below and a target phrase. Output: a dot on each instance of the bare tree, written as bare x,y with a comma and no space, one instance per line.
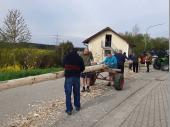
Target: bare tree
135,30
14,28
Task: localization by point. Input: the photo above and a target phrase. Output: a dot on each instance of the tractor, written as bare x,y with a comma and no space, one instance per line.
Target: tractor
162,61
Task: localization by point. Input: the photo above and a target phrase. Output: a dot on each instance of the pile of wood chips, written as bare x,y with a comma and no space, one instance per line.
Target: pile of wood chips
45,110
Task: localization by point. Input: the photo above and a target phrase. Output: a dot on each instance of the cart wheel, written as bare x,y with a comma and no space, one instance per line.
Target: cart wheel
118,81
93,79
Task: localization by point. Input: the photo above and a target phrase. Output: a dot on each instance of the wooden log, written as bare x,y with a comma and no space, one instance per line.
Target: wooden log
93,68
112,70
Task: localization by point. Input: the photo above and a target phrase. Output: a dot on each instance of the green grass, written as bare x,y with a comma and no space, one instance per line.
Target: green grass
24,73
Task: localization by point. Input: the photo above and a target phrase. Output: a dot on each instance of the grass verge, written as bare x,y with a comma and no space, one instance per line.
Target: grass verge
24,73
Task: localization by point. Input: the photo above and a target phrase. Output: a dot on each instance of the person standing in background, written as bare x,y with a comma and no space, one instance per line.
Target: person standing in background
130,61
148,61
86,77
124,54
135,63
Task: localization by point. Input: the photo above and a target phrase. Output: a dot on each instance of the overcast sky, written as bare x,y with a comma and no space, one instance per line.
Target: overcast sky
76,20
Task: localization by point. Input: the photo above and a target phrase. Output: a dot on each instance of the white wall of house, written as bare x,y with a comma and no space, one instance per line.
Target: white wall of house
95,45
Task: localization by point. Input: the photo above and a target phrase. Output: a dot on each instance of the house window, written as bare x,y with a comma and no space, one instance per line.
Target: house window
108,40
107,52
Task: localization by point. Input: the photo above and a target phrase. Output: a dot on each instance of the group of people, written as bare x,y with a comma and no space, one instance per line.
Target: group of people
74,65
134,61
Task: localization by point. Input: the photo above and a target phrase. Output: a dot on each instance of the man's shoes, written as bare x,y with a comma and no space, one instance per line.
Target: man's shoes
83,89
88,89
69,112
109,84
78,108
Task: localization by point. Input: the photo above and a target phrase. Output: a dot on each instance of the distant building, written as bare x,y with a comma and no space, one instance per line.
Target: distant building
105,41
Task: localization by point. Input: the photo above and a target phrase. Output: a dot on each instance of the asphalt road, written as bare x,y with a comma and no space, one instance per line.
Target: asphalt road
18,100
115,108
21,99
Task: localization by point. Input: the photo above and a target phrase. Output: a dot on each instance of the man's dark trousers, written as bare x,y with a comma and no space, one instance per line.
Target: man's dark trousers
135,67
147,65
72,83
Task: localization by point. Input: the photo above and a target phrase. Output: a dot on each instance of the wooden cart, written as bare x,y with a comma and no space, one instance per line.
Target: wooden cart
97,71
118,78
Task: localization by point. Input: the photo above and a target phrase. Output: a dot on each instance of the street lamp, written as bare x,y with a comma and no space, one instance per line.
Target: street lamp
147,29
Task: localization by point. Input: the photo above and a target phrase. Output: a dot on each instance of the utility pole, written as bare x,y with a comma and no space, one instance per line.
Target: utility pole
57,38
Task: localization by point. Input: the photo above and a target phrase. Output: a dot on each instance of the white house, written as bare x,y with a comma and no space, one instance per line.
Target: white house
105,41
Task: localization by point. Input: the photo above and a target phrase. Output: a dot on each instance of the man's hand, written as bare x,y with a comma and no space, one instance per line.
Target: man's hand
93,63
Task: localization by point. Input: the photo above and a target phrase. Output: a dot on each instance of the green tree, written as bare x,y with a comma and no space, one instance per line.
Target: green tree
160,43
152,43
62,50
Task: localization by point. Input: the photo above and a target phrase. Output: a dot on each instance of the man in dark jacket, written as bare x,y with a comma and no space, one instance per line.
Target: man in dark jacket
130,59
135,63
120,61
73,65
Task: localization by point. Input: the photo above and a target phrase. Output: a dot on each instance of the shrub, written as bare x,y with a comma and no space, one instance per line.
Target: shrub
27,58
